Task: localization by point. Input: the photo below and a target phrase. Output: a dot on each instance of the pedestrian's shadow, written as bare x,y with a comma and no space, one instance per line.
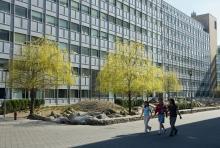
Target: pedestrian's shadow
203,134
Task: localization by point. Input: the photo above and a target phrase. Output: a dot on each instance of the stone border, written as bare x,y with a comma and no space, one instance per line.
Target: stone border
93,121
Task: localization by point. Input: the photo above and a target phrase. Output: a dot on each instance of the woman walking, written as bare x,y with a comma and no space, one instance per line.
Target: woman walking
161,111
147,115
173,111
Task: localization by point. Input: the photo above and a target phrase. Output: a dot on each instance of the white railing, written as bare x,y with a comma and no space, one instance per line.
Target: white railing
38,3
5,18
51,6
50,30
95,21
63,33
75,14
85,59
63,10
5,47
75,36
85,39
21,22
95,41
85,18
36,26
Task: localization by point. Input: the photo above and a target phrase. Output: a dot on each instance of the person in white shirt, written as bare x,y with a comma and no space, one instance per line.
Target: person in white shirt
147,115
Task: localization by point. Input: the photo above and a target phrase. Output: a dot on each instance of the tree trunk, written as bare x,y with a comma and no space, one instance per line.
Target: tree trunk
147,97
33,97
129,102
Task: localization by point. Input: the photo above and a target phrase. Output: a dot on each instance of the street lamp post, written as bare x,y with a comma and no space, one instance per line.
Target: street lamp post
5,96
190,88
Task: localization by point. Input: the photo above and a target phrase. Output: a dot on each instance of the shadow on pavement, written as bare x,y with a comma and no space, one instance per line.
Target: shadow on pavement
203,134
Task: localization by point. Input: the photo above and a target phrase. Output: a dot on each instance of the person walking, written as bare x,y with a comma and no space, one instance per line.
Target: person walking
161,111
147,115
173,111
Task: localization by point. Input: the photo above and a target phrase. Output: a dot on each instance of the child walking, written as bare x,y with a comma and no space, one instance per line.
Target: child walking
161,111
147,115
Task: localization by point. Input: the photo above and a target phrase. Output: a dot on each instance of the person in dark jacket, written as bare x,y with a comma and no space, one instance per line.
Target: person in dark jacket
173,111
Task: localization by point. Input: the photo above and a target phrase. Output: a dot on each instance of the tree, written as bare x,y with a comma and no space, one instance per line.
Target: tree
171,83
126,71
41,65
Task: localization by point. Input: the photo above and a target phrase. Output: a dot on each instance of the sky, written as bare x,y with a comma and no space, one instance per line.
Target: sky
200,7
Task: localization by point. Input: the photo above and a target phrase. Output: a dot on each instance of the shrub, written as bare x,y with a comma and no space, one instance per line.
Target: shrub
21,104
124,102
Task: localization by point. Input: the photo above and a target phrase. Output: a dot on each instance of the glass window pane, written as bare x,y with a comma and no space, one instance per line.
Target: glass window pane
51,20
5,6
64,23
37,16
4,35
85,30
85,51
95,33
75,27
20,38
94,53
85,9
21,11
75,5
95,13
64,2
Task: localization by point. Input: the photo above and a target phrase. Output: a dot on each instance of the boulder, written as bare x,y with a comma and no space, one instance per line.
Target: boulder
102,116
80,120
62,120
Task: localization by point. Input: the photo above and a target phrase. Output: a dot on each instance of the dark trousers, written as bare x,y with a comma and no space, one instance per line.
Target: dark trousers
172,124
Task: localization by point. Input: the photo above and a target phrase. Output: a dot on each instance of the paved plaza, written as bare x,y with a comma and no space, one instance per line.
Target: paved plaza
200,130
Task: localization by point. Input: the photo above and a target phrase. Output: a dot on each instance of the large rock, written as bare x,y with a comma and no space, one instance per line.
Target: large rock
62,120
102,116
80,120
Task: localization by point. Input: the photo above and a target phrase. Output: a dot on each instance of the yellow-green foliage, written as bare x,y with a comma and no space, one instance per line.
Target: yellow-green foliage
128,70
171,82
41,65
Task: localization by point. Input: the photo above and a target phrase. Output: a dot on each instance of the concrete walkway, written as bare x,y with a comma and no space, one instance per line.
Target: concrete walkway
200,130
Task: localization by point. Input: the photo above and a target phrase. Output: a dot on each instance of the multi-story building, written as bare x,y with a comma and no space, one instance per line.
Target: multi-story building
218,66
89,28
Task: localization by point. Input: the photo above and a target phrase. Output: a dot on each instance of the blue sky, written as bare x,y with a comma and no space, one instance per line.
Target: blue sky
200,7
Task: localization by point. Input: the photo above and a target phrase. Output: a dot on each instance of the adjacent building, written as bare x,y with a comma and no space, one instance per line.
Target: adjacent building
89,28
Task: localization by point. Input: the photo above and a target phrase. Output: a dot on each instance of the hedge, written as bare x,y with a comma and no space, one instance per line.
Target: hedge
21,104
124,102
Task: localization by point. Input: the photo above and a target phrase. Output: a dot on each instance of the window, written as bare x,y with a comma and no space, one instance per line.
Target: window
75,49
112,2
85,30
75,5
103,54
20,38
119,5
62,93
119,22
95,33
104,35
37,16
63,46
64,2
111,19
215,25
51,20
126,8
85,72
4,35
5,6
64,24
94,53
111,38
95,13
75,27
104,16
85,51
85,9
21,11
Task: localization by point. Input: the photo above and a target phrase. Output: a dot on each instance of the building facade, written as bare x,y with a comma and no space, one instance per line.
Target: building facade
89,28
